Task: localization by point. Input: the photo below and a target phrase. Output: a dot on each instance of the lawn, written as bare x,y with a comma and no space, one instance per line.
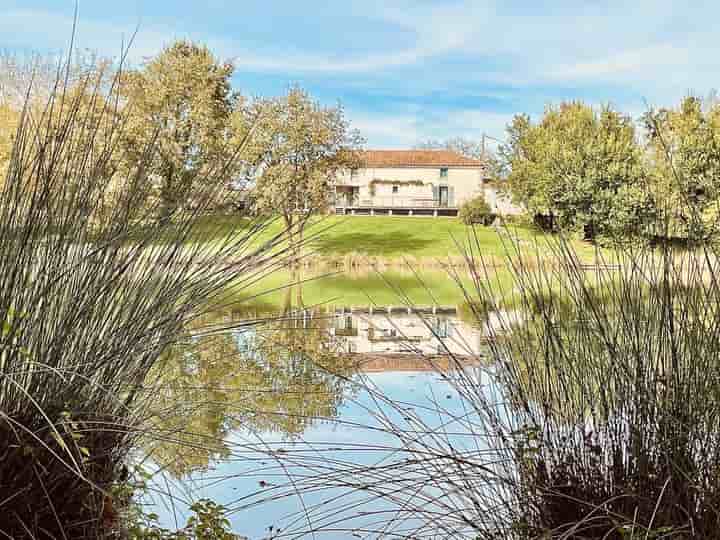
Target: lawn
402,236
389,237
412,242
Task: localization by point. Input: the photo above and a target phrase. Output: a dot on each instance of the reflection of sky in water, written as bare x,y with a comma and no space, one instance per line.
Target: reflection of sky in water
259,490
300,484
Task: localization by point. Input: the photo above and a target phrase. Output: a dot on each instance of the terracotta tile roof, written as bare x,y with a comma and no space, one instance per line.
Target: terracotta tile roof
417,158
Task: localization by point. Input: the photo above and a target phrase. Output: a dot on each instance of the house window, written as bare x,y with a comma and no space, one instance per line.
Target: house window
441,328
444,173
395,189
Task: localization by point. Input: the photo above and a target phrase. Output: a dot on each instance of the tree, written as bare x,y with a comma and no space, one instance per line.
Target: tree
476,211
684,151
465,147
28,82
31,78
304,147
582,168
87,98
182,101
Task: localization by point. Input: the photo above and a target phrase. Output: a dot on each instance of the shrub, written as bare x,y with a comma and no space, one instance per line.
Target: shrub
476,212
207,522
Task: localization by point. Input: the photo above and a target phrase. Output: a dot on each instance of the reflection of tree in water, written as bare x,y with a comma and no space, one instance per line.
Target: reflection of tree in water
277,377
295,359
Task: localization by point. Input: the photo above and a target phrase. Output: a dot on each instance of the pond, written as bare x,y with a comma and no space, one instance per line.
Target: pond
275,397
400,406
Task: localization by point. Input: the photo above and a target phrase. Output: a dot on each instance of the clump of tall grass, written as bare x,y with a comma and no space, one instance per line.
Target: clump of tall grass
88,305
612,420
610,407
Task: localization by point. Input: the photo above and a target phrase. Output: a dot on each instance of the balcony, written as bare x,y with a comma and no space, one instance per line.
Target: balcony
346,332
392,202
395,206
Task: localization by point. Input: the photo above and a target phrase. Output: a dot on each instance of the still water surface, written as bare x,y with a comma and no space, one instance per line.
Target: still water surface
270,414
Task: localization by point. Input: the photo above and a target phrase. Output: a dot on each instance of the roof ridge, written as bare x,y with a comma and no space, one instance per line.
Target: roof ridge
436,157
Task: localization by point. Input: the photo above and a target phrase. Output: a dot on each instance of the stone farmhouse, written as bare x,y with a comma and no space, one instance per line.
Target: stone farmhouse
415,183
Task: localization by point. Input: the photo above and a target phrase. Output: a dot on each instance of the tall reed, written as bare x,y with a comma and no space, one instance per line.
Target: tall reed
92,292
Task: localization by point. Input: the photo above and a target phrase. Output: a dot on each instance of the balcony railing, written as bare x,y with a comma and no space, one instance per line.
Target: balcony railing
392,202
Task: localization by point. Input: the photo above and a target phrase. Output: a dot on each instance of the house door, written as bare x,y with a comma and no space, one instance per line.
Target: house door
443,196
351,196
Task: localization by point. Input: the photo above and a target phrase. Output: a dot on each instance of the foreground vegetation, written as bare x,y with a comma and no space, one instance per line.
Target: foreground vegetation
595,416
86,314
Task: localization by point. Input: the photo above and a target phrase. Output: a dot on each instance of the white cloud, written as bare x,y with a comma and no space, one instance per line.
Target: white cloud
630,62
404,131
613,51
436,30
387,131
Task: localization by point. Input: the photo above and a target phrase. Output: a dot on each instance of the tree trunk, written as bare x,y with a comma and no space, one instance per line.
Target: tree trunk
297,279
294,238
166,196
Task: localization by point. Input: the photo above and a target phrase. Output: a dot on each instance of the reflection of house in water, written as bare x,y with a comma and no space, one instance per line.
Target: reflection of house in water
392,330
381,338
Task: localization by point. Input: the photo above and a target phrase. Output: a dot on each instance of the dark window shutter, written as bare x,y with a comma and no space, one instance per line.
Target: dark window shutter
436,193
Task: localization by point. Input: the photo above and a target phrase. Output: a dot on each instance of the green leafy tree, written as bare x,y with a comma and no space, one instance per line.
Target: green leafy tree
182,100
208,522
476,211
303,148
582,168
684,150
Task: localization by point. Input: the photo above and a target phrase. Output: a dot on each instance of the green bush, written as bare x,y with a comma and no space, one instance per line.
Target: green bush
208,522
476,212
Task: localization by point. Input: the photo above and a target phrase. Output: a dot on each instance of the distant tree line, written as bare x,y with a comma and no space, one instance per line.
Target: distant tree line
599,172
608,176
592,170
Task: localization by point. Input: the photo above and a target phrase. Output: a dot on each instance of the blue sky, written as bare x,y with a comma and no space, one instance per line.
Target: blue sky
413,70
